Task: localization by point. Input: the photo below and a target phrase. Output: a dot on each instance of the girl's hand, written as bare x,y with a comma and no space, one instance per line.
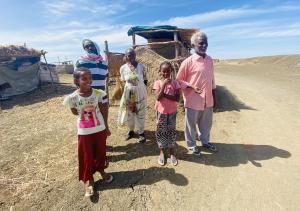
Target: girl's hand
166,81
108,133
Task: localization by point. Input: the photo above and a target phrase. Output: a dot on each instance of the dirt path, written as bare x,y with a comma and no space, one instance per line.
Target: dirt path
257,168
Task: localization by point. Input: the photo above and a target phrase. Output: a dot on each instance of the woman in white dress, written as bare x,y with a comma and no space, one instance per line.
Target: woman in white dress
134,99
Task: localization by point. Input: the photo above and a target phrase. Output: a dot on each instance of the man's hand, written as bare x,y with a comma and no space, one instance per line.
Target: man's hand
197,90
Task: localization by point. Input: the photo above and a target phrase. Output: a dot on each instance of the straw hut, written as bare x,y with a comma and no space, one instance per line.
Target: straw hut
19,70
115,61
163,43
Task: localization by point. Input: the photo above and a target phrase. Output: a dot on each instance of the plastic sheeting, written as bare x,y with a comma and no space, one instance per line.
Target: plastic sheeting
22,80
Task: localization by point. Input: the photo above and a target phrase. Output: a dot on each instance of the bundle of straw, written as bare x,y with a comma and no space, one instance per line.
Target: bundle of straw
14,50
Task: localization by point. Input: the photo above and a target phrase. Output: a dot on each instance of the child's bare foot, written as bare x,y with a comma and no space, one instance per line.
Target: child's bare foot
161,159
174,160
89,191
90,188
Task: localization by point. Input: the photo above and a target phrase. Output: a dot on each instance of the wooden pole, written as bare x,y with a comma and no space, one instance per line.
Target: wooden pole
106,49
133,40
44,55
176,51
107,78
176,44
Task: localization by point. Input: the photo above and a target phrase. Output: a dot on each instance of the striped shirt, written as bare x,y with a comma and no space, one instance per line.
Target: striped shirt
98,70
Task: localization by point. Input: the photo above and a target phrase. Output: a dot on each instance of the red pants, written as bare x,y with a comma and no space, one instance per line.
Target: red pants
91,154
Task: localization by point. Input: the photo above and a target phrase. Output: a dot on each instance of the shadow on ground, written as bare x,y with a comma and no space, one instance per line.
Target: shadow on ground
44,93
130,179
229,155
227,101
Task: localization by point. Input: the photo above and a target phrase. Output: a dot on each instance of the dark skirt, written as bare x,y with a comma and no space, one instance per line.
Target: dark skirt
166,130
91,154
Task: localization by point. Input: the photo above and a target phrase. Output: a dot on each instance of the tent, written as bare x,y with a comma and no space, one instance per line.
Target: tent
19,70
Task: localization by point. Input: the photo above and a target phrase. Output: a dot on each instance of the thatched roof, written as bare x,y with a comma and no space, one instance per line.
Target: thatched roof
17,51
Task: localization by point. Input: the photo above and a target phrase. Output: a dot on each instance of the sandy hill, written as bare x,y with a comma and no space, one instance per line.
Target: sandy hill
284,60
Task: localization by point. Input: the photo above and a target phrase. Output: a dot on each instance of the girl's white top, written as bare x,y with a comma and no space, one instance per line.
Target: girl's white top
90,119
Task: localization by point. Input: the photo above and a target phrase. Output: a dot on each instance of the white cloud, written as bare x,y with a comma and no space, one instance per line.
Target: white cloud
279,33
59,8
256,29
66,42
64,38
195,20
221,15
136,1
67,7
107,9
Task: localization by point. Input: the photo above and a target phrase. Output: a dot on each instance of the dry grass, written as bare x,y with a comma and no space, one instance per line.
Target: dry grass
115,61
38,147
35,143
15,50
153,60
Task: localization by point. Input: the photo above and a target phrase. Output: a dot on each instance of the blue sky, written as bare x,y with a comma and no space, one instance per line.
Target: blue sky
235,29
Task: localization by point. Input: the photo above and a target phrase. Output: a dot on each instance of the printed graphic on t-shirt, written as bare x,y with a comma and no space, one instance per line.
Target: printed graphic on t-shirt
88,117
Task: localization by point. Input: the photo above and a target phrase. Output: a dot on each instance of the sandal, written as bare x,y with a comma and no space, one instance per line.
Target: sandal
174,160
161,160
89,191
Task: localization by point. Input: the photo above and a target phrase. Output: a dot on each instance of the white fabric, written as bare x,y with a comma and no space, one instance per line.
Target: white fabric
134,92
90,119
137,118
140,87
139,70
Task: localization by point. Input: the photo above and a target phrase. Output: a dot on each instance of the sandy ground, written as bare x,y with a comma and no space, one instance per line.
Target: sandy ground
256,130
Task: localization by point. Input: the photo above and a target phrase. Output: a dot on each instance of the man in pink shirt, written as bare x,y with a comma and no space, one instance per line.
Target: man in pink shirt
197,71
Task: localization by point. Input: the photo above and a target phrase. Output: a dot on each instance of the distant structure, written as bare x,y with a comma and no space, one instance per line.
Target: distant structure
65,67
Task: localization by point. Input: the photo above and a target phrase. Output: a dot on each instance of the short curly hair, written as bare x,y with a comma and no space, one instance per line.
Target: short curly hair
197,35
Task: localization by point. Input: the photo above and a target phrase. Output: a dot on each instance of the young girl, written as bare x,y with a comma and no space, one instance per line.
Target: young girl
167,94
90,105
